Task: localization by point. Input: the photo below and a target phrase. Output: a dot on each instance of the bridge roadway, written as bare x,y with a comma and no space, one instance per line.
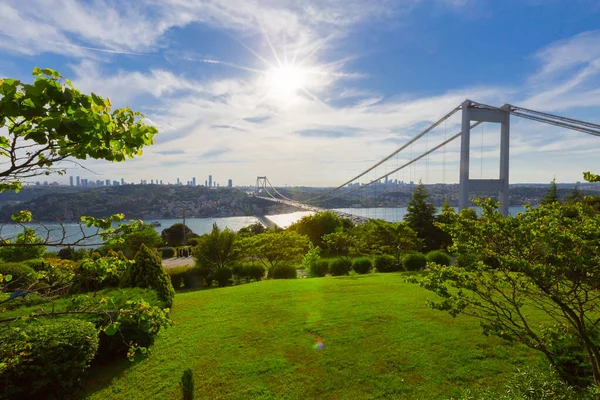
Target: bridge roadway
357,220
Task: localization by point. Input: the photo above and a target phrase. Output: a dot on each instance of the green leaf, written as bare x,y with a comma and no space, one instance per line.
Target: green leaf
112,329
8,278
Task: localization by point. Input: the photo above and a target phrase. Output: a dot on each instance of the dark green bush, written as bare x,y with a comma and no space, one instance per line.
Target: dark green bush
386,263
319,268
21,274
439,257
466,260
187,384
53,357
414,262
249,271
168,252
340,266
188,277
283,271
193,241
147,272
66,253
362,265
37,264
223,276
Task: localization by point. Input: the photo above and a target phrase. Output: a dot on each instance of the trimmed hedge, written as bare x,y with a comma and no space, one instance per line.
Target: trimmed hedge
319,268
53,357
386,263
439,257
21,274
249,271
362,265
414,262
340,266
223,276
283,272
168,252
147,272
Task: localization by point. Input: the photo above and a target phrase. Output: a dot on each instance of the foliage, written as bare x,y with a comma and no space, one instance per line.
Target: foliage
313,264
414,262
552,195
575,195
254,229
168,252
36,264
317,225
193,241
341,243
45,360
438,257
283,271
420,216
387,263
22,275
588,176
382,237
173,236
274,248
216,249
444,237
362,265
96,273
27,245
187,384
147,272
54,121
340,266
249,271
548,259
132,242
223,276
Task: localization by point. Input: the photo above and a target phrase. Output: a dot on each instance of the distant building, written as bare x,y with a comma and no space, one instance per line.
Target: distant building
98,182
230,183
115,183
210,182
78,181
161,182
70,181
205,183
178,183
194,181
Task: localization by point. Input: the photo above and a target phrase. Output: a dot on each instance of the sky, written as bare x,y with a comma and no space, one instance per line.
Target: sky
313,92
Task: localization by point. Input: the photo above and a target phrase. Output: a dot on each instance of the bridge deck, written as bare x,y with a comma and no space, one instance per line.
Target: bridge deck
356,219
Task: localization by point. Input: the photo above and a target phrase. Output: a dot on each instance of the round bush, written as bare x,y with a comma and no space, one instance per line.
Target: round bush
362,265
21,274
340,266
53,357
66,253
283,272
223,276
386,263
319,268
168,252
37,264
414,262
466,260
253,271
439,257
193,241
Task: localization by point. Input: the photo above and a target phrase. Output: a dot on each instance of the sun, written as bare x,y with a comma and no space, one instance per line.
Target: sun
286,81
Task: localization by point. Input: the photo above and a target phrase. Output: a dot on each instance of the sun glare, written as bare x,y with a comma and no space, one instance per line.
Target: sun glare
285,82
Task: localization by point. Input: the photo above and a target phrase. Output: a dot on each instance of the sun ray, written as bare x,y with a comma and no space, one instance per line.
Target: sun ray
270,44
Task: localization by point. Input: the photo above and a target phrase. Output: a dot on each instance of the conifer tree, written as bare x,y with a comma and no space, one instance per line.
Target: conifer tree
420,216
147,272
575,196
552,196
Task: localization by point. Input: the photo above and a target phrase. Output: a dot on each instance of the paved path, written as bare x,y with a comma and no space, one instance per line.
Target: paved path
177,262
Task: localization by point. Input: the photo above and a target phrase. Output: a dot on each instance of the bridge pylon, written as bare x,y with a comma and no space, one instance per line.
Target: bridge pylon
261,183
473,112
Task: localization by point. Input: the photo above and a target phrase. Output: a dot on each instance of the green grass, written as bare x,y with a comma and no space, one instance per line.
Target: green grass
255,341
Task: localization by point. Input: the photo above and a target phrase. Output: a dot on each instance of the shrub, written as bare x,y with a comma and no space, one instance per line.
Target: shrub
37,264
466,260
249,271
362,265
53,357
319,269
168,252
23,249
22,275
386,263
189,277
147,272
193,241
414,262
223,276
439,257
340,266
187,384
283,271
66,253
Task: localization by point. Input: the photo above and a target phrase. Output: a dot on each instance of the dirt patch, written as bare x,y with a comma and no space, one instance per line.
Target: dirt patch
177,262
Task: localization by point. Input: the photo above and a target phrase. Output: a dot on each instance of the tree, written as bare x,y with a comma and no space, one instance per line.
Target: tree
445,238
575,195
393,238
28,246
317,225
546,259
552,195
588,176
420,216
147,272
174,237
216,249
132,242
274,248
342,243
254,229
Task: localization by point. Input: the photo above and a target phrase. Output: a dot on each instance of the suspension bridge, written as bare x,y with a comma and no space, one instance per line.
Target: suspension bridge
472,115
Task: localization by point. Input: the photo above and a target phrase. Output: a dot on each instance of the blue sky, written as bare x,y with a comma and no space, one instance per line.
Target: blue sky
312,92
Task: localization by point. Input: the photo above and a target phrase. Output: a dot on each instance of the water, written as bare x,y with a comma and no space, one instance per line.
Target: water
200,226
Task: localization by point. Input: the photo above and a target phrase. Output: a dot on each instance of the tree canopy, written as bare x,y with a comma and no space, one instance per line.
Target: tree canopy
420,216
552,195
275,248
215,249
317,225
174,235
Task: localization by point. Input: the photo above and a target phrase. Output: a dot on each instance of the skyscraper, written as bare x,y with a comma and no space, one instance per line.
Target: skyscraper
210,181
78,181
178,183
194,181
70,181
122,181
230,183
152,181
108,182
205,183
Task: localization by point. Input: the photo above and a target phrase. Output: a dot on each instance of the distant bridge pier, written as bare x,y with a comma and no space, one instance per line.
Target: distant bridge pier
473,112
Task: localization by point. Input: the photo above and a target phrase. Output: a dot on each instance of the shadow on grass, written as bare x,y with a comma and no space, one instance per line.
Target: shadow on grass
101,375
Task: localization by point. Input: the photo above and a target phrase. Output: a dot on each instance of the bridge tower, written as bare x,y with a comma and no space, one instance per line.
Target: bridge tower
470,112
261,182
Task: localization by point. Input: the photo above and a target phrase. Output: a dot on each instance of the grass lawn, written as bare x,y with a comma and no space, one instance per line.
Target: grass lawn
256,341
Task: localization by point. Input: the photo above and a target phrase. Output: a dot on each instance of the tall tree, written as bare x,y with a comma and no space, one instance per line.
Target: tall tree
576,195
382,237
174,235
552,195
420,216
317,225
274,248
216,249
